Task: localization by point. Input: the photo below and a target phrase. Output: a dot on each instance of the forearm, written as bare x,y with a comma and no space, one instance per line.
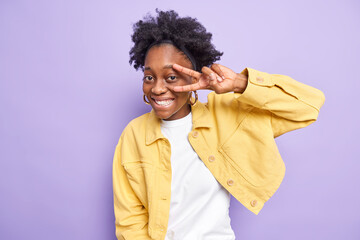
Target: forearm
281,95
240,82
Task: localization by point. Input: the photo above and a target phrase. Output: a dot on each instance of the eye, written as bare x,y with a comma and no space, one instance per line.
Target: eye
148,78
172,78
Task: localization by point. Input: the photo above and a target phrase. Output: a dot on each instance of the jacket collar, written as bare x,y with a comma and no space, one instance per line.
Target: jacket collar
200,118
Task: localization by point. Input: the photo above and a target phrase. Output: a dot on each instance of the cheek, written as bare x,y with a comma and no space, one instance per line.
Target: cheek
145,88
183,97
185,81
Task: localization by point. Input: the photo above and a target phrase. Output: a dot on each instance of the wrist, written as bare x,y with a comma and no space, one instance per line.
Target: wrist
240,83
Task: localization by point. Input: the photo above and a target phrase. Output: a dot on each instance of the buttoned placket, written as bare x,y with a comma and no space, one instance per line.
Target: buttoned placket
194,137
164,193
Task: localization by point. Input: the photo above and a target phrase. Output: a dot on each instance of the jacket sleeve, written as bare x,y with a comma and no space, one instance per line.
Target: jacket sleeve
131,218
292,104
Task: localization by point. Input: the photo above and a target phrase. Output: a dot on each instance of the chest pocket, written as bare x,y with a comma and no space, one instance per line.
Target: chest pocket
140,175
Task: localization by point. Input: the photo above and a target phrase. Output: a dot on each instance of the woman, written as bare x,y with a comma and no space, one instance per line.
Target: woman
175,167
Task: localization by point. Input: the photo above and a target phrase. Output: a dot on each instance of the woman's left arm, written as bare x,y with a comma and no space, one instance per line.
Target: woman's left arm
292,104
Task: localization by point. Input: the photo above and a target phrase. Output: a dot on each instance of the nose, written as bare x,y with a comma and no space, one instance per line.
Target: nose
159,87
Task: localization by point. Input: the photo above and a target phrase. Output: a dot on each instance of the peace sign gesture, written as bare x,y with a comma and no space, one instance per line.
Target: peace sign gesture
217,78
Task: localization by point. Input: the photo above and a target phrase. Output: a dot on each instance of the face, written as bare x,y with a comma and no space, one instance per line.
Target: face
160,78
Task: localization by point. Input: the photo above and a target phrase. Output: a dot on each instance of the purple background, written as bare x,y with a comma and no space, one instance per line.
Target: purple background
67,91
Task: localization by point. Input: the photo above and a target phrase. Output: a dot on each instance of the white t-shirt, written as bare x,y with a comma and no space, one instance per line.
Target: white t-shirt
199,205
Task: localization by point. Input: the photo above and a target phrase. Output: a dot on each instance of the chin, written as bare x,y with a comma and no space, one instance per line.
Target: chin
168,113
164,115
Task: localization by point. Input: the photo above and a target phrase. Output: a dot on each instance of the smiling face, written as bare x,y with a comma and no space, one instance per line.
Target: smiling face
160,78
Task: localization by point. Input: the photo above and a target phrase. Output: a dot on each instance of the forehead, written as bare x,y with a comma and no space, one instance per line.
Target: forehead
166,54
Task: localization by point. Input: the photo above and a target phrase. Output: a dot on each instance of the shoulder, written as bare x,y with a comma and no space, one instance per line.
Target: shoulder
138,122
225,102
227,110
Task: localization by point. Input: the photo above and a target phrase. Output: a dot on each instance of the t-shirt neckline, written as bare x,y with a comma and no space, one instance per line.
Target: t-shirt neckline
178,122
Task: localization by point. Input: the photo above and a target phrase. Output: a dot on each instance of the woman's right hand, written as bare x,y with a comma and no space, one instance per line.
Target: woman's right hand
217,78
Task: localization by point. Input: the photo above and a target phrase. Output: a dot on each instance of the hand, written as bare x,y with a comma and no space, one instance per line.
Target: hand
217,78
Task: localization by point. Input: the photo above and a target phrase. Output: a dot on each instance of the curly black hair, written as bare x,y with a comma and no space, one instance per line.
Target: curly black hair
182,31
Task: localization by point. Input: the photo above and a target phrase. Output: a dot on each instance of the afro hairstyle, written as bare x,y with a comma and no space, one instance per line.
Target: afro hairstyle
186,32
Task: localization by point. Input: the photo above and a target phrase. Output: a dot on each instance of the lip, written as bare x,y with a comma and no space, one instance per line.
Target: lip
162,102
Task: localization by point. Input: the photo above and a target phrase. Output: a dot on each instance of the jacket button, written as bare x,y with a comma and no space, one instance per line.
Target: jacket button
253,203
259,79
195,134
230,182
163,197
211,158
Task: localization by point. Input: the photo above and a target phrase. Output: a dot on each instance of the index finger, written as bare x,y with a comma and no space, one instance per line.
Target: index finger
187,71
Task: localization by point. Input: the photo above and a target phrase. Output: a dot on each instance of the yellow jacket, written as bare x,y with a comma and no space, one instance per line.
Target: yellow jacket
233,134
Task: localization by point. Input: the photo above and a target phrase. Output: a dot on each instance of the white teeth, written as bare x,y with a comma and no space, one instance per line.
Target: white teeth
164,103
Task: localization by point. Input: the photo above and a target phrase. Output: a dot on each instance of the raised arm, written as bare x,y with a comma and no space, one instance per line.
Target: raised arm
292,104
131,218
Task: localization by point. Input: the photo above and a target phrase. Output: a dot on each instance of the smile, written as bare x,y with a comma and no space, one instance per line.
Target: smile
163,103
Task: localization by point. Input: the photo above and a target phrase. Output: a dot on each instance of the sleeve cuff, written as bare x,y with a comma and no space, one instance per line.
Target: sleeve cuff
255,93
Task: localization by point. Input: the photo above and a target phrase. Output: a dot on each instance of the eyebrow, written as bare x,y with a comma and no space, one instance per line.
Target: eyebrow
165,67
168,66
